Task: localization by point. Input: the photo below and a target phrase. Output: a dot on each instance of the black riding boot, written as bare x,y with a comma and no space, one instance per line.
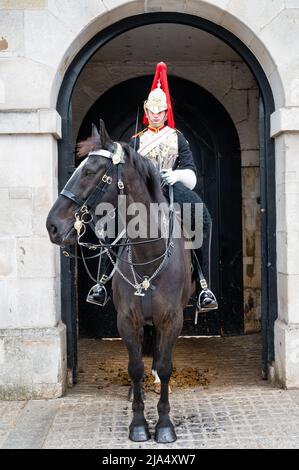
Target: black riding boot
100,293
206,299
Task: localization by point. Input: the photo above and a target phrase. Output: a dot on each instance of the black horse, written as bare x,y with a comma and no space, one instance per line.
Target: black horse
162,265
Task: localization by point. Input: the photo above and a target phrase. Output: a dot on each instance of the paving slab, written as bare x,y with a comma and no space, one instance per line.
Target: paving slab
218,400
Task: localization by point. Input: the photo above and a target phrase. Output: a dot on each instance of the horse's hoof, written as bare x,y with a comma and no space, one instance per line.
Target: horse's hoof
139,434
165,435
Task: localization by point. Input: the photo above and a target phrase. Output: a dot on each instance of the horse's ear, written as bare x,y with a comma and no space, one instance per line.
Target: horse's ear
106,140
94,131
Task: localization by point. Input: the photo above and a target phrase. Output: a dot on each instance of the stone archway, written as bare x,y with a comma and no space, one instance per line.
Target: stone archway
268,195
46,48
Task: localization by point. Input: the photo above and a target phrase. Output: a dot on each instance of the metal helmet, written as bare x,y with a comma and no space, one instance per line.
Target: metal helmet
157,100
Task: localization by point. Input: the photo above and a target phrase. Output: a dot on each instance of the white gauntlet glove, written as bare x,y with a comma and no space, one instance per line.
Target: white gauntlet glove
169,176
187,177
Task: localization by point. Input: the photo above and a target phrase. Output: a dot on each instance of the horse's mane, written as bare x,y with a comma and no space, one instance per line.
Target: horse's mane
147,171
145,168
88,145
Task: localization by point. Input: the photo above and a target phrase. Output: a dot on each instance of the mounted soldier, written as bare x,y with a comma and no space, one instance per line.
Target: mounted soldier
170,152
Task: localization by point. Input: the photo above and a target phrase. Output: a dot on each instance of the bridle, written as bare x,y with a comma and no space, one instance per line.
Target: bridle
87,207
89,204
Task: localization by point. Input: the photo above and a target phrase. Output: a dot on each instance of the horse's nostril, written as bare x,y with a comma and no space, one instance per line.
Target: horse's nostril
53,229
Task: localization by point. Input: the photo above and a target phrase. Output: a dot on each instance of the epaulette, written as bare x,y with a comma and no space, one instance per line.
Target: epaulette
139,133
179,132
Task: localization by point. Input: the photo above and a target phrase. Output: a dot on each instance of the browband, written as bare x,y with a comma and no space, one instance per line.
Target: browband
116,157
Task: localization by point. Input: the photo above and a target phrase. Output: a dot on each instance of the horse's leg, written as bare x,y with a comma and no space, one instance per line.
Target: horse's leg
133,340
157,382
131,392
165,432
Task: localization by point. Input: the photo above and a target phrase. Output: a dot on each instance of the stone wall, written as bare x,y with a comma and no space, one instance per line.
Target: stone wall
39,40
32,338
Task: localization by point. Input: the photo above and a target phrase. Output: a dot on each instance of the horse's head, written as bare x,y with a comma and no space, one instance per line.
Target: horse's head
81,186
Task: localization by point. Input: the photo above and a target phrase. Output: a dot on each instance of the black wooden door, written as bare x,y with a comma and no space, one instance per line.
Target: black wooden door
215,145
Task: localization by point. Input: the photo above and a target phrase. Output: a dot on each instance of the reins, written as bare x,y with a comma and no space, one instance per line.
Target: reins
85,215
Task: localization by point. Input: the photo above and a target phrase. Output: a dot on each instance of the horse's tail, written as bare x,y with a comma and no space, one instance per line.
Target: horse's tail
148,341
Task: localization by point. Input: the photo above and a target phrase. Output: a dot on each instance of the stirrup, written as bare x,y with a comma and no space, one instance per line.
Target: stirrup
94,292
208,307
200,309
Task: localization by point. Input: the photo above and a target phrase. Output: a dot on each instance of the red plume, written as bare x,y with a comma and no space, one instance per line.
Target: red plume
161,74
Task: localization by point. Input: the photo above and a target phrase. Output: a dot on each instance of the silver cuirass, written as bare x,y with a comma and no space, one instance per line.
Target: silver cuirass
164,154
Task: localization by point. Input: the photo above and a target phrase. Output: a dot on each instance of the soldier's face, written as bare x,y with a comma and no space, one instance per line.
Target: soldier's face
156,119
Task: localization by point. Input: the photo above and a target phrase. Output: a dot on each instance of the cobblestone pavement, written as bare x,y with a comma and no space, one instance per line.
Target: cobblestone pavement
217,401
